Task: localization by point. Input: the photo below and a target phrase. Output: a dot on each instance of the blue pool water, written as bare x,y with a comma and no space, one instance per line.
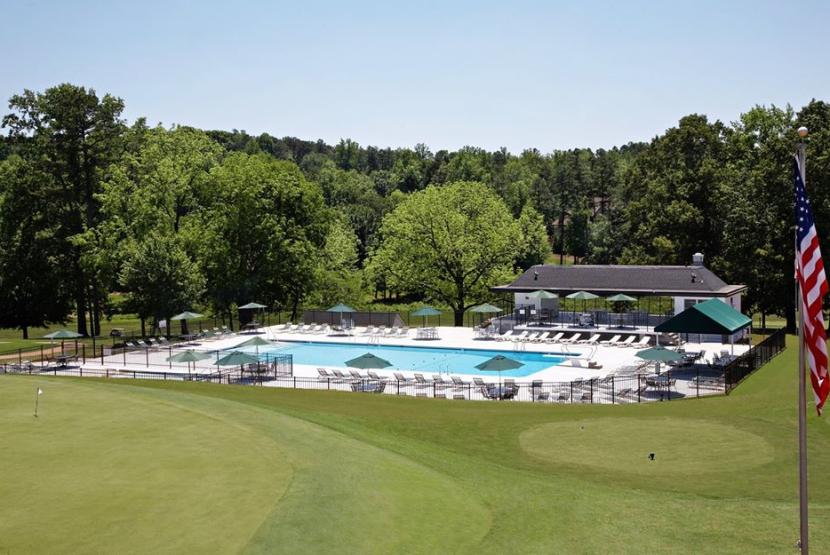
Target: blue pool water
416,359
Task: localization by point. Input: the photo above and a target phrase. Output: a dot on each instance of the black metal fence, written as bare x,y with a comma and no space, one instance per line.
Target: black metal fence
621,389
756,357
695,381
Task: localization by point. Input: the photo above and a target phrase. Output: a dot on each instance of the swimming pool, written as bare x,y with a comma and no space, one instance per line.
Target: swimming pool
414,359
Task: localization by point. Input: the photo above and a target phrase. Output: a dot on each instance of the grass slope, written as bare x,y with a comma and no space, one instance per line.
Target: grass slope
143,466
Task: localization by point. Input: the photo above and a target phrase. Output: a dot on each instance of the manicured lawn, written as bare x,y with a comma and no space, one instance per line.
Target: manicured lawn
125,466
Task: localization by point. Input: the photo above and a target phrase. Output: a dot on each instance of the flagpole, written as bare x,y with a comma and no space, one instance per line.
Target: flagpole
804,537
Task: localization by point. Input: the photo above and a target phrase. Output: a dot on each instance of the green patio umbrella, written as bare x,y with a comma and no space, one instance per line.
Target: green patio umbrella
658,354
62,335
254,342
252,306
189,356
341,308
499,363
368,362
542,294
425,311
583,296
184,317
620,298
237,358
485,308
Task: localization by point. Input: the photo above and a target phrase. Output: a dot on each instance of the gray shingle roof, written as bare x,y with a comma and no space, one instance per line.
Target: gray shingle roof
642,280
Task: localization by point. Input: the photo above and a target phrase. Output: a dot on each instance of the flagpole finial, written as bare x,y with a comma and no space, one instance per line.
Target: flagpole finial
803,132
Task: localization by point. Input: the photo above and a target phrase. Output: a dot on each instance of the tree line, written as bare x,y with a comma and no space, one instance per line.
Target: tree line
98,214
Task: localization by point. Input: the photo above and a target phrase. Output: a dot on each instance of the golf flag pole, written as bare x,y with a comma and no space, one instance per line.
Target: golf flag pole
38,393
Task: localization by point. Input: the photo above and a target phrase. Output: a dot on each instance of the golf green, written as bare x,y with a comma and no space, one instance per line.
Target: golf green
675,443
126,466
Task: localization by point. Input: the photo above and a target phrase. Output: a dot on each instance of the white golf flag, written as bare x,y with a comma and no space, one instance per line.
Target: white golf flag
39,391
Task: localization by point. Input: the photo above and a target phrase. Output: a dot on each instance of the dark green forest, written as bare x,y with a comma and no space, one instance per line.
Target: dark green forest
100,215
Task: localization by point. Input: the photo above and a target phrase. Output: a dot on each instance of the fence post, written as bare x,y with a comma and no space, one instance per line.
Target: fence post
102,355
20,355
697,380
170,355
592,390
124,352
638,388
41,355
572,392
398,383
295,382
668,385
613,390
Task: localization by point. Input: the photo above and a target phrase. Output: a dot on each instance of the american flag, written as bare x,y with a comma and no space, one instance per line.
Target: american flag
813,286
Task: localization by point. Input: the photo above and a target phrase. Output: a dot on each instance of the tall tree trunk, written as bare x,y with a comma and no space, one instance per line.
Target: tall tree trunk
96,314
294,304
25,332
458,317
230,319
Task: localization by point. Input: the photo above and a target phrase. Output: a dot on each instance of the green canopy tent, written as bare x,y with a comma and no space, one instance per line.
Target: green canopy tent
341,309
499,363
485,309
583,296
63,335
712,317
189,356
253,307
658,354
620,298
425,311
368,362
184,317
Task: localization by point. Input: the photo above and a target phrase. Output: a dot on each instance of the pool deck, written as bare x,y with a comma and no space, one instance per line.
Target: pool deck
611,359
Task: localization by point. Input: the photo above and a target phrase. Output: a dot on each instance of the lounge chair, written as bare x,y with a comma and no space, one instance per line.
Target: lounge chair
356,375
481,383
403,332
440,382
590,341
531,337
374,375
458,382
506,336
628,341
556,338
520,337
341,376
613,341
542,337
572,339
536,392
421,381
322,374
643,342
142,344
401,378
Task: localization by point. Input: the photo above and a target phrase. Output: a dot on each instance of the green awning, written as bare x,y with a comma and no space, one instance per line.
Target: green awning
709,317
341,308
620,298
582,296
426,311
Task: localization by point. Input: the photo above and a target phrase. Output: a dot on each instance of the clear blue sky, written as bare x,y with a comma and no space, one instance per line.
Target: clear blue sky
550,75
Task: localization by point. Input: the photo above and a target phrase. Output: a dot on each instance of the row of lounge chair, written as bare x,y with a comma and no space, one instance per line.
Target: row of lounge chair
375,331
156,343
576,338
